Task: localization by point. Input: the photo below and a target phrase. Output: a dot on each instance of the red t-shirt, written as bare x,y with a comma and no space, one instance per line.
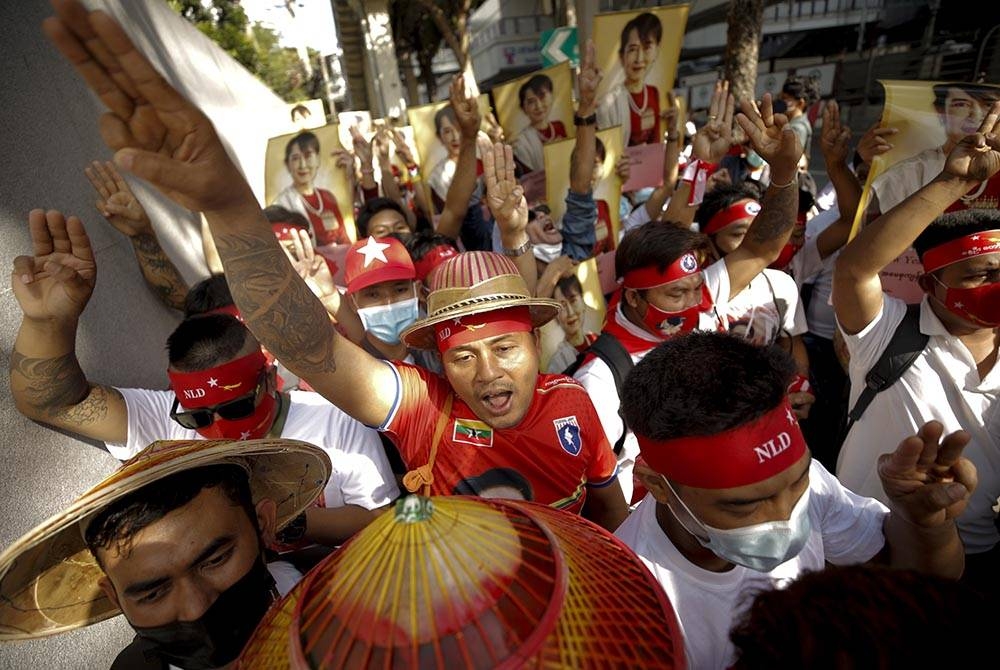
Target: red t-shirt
650,117
557,449
555,131
325,217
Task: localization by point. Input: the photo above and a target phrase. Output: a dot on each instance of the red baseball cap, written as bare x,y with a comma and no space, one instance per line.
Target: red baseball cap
373,260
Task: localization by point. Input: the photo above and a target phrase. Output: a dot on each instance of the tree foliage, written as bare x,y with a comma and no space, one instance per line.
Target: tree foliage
255,47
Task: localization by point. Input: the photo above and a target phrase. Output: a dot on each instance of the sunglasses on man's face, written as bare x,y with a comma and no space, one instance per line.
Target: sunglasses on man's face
231,410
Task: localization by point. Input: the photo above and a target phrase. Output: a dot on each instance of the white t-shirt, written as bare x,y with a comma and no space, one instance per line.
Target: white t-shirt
846,529
768,307
808,268
942,383
596,376
361,474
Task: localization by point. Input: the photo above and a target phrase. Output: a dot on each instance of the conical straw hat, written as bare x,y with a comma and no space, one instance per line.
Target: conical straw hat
49,578
471,283
459,582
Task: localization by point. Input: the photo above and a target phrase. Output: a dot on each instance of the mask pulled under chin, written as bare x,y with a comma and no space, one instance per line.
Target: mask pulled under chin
387,322
671,324
979,305
547,253
761,547
218,636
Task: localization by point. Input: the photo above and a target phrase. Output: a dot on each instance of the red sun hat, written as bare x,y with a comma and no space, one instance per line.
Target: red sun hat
373,260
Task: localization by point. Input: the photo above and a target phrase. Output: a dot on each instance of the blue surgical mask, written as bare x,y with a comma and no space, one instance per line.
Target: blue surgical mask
761,547
387,322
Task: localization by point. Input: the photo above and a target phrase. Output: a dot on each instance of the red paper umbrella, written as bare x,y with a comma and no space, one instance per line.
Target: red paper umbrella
461,582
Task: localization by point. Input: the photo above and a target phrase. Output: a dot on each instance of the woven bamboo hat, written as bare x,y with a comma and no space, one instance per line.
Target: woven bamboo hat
49,578
459,582
474,282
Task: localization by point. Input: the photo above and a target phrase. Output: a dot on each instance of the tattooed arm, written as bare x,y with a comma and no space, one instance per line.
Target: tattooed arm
124,211
53,287
777,144
161,137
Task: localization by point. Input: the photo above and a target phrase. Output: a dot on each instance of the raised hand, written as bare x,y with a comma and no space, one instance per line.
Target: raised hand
311,266
362,148
402,148
713,139
874,143
623,168
835,138
466,108
381,142
504,195
57,280
772,139
977,156
588,80
493,128
926,478
156,133
117,203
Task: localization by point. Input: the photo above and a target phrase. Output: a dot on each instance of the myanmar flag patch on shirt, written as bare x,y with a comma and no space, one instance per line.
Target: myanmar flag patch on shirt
471,431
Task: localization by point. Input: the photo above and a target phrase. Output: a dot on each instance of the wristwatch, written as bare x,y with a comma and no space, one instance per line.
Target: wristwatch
519,251
585,120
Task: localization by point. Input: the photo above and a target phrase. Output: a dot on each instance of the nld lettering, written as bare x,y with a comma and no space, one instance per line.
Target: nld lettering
772,447
194,394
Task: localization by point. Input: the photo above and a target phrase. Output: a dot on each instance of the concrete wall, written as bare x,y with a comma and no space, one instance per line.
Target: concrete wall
48,133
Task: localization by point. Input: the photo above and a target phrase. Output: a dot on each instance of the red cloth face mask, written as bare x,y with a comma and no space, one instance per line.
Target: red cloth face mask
980,305
671,324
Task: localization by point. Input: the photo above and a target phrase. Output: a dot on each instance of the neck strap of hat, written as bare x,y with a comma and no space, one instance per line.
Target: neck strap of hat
424,475
279,420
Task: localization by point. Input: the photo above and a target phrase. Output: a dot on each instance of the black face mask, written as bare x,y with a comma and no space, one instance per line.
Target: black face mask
779,106
218,637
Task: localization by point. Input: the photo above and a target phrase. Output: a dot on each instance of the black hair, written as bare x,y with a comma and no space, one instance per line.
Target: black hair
119,522
569,282
370,209
472,486
801,87
538,85
540,208
420,243
304,140
646,25
439,118
863,616
704,383
982,93
209,294
656,243
301,110
202,342
952,225
279,214
723,196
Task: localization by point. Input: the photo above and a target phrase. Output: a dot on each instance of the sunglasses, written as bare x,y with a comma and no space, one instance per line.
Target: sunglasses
237,408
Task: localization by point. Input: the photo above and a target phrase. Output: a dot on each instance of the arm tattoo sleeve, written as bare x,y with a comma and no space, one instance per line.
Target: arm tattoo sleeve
160,272
58,389
777,215
278,307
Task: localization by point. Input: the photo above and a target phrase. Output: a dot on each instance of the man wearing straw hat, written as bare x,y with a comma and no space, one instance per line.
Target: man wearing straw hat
492,410
174,540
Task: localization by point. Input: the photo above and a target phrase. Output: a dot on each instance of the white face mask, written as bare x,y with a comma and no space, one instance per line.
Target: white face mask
387,322
761,547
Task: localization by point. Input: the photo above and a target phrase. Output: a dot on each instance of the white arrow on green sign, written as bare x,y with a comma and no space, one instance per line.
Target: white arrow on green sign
560,44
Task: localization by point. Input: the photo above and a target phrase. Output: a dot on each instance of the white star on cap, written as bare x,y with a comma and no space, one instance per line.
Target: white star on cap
372,250
959,305
245,435
213,382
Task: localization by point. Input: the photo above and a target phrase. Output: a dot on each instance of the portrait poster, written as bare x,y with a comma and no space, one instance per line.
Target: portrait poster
361,118
594,312
302,176
607,190
536,109
306,114
638,52
931,117
437,138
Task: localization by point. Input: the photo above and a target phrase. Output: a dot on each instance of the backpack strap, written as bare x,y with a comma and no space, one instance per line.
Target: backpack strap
905,346
610,350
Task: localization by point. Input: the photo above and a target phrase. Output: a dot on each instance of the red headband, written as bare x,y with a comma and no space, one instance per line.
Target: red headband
740,456
203,388
232,310
735,212
650,276
432,259
977,244
456,332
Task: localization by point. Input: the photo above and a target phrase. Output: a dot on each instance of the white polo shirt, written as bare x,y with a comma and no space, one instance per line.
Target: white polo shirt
943,384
